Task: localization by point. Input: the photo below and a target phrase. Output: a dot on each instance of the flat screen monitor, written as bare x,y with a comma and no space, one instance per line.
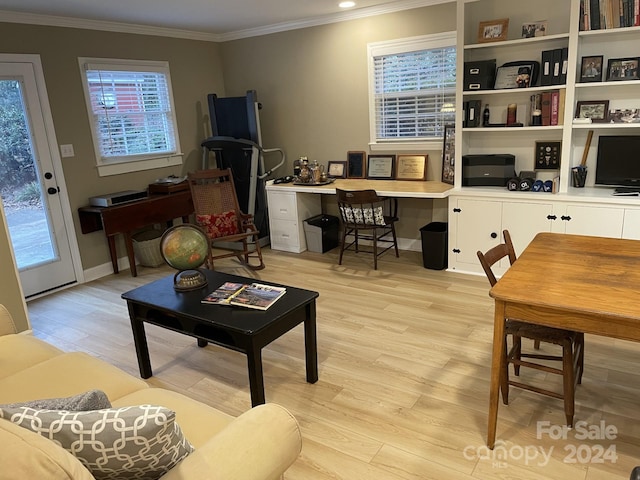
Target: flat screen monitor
618,160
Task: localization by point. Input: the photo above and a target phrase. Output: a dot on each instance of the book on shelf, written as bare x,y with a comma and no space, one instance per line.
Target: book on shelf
255,295
607,14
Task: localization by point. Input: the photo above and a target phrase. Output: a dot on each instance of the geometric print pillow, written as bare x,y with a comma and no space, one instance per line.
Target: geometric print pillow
142,442
221,225
364,216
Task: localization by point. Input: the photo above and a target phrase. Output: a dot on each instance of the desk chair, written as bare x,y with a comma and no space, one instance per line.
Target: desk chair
572,343
217,211
366,216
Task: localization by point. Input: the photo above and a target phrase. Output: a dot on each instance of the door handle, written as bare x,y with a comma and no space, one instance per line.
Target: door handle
53,190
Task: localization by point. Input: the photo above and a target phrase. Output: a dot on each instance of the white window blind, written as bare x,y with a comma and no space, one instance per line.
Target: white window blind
413,89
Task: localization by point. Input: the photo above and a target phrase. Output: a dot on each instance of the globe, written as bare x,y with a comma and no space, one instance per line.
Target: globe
185,247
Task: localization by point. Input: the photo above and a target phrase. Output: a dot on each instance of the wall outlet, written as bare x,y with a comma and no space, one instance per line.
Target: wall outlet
66,150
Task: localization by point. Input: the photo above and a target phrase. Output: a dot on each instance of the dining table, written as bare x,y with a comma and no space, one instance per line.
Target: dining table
581,283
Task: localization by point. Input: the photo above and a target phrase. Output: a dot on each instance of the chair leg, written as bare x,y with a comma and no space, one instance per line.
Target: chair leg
568,381
395,240
504,375
258,252
375,249
580,356
536,344
342,244
517,353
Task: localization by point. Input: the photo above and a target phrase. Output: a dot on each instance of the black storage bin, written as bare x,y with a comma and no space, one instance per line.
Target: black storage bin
434,245
321,233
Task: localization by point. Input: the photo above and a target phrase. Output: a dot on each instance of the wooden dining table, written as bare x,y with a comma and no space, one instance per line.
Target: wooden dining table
586,284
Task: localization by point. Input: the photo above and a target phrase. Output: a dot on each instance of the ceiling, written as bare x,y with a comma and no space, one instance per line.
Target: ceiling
216,19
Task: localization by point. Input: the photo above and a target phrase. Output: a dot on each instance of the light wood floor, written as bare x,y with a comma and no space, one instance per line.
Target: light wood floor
404,355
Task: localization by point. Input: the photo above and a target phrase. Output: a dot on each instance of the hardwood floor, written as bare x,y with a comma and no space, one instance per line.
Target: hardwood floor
404,358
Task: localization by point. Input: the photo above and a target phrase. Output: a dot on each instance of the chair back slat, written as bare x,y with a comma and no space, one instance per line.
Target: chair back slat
495,254
213,192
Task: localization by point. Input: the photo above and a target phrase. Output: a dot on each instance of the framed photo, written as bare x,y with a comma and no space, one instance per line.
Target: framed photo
411,167
356,167
493,30
380,167
515,76
622,69
547,155
534,29
449,154
627,115
591,69
596,110
337,169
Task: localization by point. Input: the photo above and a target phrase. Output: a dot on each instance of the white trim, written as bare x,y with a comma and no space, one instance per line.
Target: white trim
69,22
106,169
399,146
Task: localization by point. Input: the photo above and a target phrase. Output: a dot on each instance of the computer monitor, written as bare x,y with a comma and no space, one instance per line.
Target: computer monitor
618,161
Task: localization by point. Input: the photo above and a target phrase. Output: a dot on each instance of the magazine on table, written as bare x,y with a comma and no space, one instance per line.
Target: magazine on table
255,295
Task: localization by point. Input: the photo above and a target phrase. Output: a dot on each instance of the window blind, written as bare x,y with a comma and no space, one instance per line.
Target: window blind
414,93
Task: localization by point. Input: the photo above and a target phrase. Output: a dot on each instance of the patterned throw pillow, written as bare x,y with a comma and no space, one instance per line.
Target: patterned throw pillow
372,216
221,225
141,442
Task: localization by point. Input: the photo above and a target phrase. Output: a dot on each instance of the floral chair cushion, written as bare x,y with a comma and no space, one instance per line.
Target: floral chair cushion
221,225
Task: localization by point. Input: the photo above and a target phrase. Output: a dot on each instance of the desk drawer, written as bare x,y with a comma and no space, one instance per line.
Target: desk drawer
283,205
285,236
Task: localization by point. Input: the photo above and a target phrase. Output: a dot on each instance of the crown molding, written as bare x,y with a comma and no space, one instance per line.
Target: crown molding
71,22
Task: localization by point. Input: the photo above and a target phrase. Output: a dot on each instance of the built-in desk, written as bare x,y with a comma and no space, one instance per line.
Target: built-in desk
290,204
128,217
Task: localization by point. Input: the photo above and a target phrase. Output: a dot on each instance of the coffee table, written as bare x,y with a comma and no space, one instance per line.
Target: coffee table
236,328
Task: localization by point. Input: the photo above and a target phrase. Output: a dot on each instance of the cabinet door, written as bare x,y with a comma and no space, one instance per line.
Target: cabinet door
593,220
524,221
477,228
631,227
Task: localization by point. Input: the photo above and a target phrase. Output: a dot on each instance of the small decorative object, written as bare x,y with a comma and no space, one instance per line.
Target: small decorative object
355,164
337,169
579,176
305,171
493,30
411,167
628,115
512,113
534,29
595,110
548,155
380,167
486,114
448,153
185,247
622,69
591,69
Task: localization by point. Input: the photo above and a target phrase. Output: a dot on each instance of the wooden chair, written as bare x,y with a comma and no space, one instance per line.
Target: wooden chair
217,211
366,216
572,343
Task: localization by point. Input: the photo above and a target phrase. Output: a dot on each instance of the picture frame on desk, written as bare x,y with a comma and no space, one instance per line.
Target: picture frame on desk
381,167
337,169
591,69
449,154
356,167
596,110
621,69
411,167
534,29
493,30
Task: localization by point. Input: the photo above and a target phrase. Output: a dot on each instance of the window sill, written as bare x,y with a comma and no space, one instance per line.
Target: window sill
413,147
104,170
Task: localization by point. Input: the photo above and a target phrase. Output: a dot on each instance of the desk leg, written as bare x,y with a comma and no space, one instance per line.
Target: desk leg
496,370
140,341
256,378
111,239
310,343
132,258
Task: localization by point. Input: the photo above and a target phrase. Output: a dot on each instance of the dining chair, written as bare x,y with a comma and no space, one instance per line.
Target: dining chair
366,216
217,211
572,343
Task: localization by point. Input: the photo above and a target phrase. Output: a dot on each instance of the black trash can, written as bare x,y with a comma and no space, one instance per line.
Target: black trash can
434,245
321,233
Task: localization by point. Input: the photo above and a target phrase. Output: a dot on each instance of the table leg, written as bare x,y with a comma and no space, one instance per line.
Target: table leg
496,370
128,242
256,378
140,341
111,239
310,343
202,343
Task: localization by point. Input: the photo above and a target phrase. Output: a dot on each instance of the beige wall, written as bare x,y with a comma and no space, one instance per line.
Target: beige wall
313,85
195,72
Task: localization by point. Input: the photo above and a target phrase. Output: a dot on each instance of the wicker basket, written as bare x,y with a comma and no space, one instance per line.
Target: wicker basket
146,246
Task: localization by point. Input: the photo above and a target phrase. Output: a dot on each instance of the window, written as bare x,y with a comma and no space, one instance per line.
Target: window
412,90
130,106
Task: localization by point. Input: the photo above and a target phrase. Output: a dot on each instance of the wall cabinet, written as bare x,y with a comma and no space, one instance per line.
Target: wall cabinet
287,213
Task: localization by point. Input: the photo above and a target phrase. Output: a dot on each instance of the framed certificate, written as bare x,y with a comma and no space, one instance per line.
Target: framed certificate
411,167
380,167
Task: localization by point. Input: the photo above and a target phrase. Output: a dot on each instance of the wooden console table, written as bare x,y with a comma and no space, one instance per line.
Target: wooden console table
124,219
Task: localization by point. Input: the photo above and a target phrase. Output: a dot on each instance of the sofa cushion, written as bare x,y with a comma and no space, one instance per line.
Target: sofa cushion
67,374
13,348
141,442
199,422
27,455
91,400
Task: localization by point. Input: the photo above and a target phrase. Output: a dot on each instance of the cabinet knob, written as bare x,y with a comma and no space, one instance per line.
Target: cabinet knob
494,235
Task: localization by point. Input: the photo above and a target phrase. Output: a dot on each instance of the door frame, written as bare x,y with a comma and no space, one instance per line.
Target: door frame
56,160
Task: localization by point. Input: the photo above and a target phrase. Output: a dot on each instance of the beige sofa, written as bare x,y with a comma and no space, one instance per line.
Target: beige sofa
260,444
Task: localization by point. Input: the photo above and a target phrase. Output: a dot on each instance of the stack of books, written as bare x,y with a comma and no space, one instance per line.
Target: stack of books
255,295
604,14
551,105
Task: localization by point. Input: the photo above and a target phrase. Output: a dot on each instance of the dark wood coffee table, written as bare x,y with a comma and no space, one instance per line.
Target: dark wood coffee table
241,329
